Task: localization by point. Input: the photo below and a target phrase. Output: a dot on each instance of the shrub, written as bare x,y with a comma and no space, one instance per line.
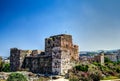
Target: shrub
82,68
96,76
86,79
16,77
118,70
107,60
6,67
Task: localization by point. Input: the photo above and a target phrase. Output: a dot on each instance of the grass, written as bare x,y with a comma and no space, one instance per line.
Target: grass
110,78
2,80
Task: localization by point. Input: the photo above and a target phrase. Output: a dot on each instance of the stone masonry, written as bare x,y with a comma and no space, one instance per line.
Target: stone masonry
57,58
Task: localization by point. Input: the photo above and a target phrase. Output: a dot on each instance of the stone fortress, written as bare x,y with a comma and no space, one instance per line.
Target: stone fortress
57,58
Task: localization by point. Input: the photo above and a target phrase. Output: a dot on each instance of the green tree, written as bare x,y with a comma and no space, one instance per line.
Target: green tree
6,67
107,60
16,77
82,68
1,64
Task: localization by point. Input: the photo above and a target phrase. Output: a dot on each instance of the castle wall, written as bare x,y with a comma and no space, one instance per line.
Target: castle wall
17,57
57,58
38,64
14,59
56,62
65,61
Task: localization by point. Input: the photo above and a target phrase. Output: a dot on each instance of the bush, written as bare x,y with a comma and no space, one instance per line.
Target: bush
86,79
96,76
16,77
6,67
82,68
96,64
107,60
118,70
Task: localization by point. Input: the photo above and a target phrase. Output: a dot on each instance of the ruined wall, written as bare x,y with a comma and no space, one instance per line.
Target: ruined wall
17,57
40,64
66,42
59,52
14,59
74,53
56,60
65,61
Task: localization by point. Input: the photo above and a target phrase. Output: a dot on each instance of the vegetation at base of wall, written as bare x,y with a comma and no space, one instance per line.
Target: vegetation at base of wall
6,67
16,77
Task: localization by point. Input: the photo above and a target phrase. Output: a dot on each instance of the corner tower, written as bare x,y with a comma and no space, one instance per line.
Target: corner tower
62,51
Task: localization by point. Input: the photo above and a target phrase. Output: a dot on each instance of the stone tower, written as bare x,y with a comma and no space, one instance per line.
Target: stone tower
100,58
62,50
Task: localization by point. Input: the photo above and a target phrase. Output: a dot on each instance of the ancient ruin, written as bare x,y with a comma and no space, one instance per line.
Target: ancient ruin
57,58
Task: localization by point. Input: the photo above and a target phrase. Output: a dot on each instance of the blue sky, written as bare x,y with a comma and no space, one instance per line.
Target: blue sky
94,24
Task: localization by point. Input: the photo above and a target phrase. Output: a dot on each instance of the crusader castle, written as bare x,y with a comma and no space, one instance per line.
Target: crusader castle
57,58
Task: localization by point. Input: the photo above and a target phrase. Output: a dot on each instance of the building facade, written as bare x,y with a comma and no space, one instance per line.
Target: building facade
57,58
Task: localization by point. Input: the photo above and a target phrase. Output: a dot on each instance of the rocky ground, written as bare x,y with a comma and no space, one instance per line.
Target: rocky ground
31,76
60,79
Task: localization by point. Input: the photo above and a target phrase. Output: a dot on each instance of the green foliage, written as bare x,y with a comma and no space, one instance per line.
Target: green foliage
82,68
1,64
86,79
96,76
110,78
118,70
107,60
95,71
16,77
6,67
97,64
